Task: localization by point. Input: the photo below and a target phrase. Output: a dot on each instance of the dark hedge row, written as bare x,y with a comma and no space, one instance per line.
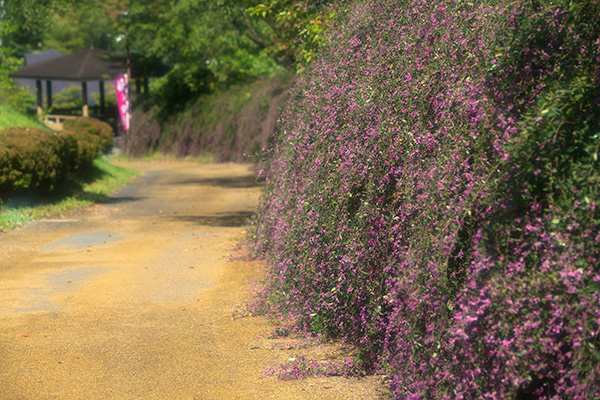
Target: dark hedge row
38,160
432,197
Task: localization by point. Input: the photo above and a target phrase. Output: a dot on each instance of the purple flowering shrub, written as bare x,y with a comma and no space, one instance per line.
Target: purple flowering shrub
527,321
431,197
302,368
232,125
144,135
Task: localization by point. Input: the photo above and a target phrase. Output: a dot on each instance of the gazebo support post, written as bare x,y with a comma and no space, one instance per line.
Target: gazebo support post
38,92
49,94
102,102
84,97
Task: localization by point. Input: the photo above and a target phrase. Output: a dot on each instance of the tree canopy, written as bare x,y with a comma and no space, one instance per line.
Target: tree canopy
208,44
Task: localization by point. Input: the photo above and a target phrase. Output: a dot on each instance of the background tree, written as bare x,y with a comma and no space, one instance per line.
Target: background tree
288,31
298,27
22,28
89,23
24,23
209,45
202,44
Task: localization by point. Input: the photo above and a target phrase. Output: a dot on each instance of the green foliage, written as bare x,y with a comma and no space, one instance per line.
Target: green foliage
37,160
298,27
80,24
88,24
11,118
94,127
80,150
183,84
30,159
10,93
101,179
210,45
207,50
557,155
528,58
68,98
143,19
22,28
110,97
25,22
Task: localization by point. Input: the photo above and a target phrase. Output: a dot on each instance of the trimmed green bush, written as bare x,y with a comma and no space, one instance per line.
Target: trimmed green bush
81,149
30,159
92,126
37,160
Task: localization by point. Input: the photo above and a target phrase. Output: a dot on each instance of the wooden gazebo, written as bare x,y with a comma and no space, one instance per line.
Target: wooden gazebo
83,66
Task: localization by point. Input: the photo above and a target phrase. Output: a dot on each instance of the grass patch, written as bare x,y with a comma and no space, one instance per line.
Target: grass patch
11,118
88,188
158,156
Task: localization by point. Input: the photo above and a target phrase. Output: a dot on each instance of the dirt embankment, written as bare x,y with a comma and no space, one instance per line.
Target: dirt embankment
136,298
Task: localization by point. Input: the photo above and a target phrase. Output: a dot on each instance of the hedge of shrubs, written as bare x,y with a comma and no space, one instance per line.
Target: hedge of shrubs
432,196
93,127
38,160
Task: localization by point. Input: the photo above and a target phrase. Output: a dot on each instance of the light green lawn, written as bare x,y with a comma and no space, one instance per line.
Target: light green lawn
10,117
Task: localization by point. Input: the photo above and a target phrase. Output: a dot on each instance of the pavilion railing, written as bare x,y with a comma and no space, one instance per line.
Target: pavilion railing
54,120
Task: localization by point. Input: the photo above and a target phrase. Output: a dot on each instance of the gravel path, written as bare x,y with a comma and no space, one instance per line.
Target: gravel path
136,298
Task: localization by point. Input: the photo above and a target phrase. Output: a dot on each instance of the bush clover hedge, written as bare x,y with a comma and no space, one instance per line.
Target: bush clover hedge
431,196
230,125
38,160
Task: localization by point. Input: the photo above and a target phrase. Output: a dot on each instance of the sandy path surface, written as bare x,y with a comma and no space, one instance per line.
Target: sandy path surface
136,298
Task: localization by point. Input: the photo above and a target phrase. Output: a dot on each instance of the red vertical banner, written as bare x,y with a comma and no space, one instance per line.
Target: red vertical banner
122,89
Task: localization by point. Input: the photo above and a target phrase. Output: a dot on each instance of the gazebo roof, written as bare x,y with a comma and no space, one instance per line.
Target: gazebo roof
85,65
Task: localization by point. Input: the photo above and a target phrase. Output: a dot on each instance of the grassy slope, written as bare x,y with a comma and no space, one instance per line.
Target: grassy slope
83,190
10,117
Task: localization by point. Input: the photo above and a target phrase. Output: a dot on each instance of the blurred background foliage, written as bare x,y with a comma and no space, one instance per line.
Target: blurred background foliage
210,45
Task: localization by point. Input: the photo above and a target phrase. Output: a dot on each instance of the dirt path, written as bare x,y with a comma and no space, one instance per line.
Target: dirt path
136,298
